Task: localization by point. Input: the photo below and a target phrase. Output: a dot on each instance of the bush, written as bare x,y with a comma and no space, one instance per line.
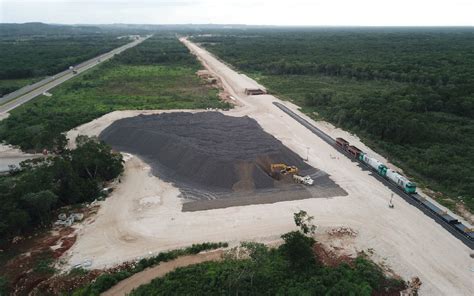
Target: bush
271,272
106,281
44,266
78,271
298,249
4,286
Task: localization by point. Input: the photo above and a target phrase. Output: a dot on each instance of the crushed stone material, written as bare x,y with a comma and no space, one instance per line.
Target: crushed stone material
207,154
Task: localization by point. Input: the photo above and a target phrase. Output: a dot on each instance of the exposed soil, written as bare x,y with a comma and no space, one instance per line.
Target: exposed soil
329,257
211,156
22,256
10,156
65,284
20,270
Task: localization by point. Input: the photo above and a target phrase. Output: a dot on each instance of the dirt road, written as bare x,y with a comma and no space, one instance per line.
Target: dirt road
126,286
143,215
13,156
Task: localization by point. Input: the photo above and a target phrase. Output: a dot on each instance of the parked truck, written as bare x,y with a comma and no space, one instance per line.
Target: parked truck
73,69
306,180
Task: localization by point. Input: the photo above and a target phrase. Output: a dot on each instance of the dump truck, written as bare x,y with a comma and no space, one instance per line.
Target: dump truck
306,180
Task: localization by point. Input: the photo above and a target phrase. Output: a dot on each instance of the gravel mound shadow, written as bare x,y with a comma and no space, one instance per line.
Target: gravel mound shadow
210,156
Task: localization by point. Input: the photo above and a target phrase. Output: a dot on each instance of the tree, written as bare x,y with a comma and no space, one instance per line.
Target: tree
298,246
304,221
298,249
39,205
30,193
4,289
93,159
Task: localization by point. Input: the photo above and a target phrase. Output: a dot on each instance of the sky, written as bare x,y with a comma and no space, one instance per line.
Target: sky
274,12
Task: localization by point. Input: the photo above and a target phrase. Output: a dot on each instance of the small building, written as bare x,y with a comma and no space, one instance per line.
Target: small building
255,91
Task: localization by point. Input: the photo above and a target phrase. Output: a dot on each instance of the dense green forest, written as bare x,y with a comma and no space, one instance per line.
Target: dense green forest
42,29
294,268
30,194
409,93
26,59
157,74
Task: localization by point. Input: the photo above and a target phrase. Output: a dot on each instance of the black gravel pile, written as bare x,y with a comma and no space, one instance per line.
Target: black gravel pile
206,150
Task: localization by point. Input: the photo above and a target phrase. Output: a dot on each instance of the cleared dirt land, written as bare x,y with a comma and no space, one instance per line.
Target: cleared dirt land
215,160
144,216
10,156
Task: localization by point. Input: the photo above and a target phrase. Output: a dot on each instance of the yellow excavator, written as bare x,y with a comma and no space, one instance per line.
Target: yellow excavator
280,169
283,169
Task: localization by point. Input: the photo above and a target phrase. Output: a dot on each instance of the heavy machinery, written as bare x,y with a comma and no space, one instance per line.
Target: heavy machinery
280,169
306,180
283,169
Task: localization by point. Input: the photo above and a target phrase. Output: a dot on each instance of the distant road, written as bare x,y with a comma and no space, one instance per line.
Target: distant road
27,93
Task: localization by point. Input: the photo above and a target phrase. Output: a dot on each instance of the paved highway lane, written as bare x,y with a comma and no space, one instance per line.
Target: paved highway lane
64,76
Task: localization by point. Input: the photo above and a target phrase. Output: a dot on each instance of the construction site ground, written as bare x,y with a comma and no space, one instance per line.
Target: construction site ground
144,216
216,161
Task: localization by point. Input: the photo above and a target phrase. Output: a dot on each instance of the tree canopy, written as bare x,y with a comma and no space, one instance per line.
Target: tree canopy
408,92
31,193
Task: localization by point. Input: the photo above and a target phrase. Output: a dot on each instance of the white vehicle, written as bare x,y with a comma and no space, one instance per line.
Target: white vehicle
306,180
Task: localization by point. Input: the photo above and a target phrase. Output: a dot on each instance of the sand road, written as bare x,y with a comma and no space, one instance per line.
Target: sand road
127,285
143,214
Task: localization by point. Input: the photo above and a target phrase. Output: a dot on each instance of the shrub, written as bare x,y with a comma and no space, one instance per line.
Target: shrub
4,286
106,281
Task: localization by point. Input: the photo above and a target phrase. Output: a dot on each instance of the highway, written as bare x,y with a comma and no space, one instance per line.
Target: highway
51,82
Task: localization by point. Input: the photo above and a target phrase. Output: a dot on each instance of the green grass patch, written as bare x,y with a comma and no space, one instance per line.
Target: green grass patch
157,74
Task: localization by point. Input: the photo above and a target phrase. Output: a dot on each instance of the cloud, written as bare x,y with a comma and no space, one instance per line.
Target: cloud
275,12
